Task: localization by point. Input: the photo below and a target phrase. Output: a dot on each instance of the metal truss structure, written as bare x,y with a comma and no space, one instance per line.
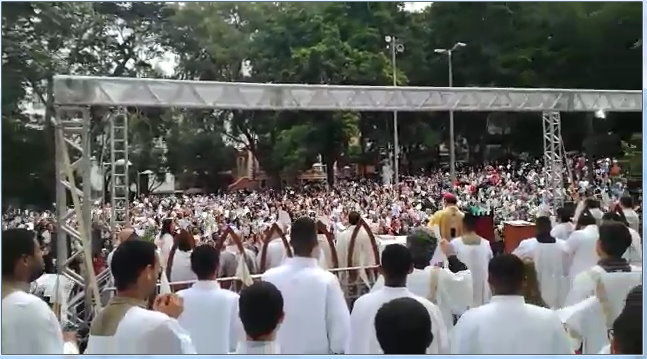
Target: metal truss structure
554,164
115,91
75,94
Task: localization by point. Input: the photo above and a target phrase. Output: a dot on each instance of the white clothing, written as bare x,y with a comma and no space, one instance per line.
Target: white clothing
633,219
363,255
551,265
586,326
312,297
143,332
507,325
363,340
211,317
476,258
581,247
605,350
616,285
29,326
634,254
164,244
325,257
181,268
257,348
276,254
453,294
597,214
562,230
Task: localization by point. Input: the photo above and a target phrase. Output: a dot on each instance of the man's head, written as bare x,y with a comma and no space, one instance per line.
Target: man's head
260,308
469,222
586,219
449,200
403,326
135,267
204,262
563,215
396,265
422,246
627,328
353,218
542,226
303,236
627,202
22,256
506,275
613,241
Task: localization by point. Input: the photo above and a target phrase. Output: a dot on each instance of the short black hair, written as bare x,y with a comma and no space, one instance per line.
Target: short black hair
422,245
403,326
564,215
469,221
627,202
204,261
543,225
129,260
627,328
16,243
396,261
260,308
303,235
614,238
586,219
506,274
614,217
353,218
592,203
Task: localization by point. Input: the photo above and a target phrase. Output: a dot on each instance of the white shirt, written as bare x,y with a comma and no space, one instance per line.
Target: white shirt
181,268
453,292
363,340
632,218
257,348
581,247
634,254
275,256
562,230
29,326
316,314
211,317
476,258
507,325
551,264
164,244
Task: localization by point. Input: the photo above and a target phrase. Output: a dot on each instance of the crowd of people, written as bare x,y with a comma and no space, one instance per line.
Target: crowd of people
438,292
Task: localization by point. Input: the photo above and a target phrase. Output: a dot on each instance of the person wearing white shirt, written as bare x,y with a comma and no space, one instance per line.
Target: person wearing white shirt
564,228
627,205
179,266
508,325
275,255
449,288
362,252
210,313
164,241
316,313
633,255
28,324
550,260
261,312
580,245
475,252
125,326
403,326
396,265
627,332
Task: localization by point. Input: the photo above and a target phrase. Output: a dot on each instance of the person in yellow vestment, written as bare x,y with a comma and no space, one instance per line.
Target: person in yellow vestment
449,219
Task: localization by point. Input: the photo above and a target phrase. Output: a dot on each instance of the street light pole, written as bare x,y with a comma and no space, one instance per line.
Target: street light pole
452,148
395,47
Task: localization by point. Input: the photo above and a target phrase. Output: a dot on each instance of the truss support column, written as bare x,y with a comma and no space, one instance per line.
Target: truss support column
61,198
553,157
119,192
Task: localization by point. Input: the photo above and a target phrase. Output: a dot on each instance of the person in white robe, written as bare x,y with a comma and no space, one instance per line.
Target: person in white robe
508,325
276,252
316,313
565,227
449,288
165,241
180,258
475,252
125,326
363,255
633,219
261,313
633,255
396,265
581,245
403,326
210,313
28,324
627,331
550,260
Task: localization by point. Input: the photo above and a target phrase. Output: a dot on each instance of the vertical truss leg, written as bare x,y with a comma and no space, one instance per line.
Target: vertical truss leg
553,157
119,190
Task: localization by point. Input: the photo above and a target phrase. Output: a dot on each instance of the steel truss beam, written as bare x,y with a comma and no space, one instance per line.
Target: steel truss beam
115,91
119,163
554,164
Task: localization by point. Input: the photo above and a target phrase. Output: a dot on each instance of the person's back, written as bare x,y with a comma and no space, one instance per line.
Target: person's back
403,326
316,314
633,220
475,252
507,325
211,313
581,246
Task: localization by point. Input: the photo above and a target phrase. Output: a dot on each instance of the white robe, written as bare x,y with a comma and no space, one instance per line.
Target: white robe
164,245
634,254
581,247
363,340
616,284
363,255
476,258
562,230
507,325
633,219
453,292
316,314
29,326
586,325
275,256
257,348
551,264
211,317
181,268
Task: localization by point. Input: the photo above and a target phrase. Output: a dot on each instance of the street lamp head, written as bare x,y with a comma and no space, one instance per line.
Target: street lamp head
461,44
440,51
600,114
399,48
387,38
